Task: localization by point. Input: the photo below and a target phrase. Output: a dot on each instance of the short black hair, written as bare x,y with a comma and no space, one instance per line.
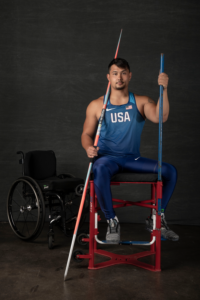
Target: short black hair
119,62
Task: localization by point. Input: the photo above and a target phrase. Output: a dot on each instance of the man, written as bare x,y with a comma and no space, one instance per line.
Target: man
119,143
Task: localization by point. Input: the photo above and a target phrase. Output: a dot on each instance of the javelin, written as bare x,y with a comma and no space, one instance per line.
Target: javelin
90,168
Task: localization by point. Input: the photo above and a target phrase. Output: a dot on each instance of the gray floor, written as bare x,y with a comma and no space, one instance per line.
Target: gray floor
32,271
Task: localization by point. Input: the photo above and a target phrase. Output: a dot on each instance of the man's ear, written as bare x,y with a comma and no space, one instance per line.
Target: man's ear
130,76
108,77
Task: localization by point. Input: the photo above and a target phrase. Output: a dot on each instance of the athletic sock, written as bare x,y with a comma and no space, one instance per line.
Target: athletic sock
162,215
115,218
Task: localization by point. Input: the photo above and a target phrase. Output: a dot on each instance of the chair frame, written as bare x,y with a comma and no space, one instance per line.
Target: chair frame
155,244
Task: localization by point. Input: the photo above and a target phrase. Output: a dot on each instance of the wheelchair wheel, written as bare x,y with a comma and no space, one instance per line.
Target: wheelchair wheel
26,208
75,258
80,237
79,189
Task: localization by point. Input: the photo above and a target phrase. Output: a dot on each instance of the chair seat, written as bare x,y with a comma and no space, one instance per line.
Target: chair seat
134,177
60,185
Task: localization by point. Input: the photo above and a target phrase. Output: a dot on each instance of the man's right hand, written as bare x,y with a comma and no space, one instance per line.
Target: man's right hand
92,151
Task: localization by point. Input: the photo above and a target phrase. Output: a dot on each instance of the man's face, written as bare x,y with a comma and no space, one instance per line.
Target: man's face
119,78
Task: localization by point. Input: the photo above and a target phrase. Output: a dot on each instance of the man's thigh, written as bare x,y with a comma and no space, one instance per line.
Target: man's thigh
106,164
141,165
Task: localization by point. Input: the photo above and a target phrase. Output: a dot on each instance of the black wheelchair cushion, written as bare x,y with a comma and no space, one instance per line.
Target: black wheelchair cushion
59,185
40,164
134,177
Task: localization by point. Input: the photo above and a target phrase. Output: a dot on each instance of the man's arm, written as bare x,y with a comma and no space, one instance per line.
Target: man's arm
151,110
89,130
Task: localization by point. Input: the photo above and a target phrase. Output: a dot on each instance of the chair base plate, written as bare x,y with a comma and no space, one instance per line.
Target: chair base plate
124,259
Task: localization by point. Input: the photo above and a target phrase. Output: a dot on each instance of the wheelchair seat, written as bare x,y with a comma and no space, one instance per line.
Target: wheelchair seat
66,185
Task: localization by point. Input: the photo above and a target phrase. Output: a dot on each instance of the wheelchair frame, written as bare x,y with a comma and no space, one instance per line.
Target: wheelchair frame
39,201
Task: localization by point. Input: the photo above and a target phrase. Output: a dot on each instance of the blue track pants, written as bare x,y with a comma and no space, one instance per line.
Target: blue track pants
106,166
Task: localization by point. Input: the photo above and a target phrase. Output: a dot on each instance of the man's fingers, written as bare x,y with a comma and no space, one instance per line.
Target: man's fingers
94,152
91,152
163,80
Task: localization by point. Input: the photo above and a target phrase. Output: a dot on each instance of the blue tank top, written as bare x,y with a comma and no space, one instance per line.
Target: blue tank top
121,129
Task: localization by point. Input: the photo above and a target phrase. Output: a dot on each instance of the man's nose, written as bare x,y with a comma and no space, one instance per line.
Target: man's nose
119,76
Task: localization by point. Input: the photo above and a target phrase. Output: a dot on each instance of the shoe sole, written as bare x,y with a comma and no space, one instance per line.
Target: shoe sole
113,242
173,239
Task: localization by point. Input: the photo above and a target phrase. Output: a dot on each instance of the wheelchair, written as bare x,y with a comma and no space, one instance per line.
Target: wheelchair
40,189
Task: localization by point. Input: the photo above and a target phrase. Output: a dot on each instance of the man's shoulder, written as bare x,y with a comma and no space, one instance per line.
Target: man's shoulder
98,100
141,98
95,106
96,103
140,102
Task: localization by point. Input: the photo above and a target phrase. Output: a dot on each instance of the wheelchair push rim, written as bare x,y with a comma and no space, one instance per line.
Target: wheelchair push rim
26,209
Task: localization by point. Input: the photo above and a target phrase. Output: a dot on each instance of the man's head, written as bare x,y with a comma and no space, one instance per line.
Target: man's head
119,62
119,74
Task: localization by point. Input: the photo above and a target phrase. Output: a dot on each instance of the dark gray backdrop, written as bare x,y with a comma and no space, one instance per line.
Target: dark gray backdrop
54,57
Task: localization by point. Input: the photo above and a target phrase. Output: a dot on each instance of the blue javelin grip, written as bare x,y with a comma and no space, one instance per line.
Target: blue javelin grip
160,122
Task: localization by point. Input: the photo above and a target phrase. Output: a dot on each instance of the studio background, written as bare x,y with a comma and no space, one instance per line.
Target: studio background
53,62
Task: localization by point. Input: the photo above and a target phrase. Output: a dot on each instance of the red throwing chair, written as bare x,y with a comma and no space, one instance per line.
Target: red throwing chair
153,245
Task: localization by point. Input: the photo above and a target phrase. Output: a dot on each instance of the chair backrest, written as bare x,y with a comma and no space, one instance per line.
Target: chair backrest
40,164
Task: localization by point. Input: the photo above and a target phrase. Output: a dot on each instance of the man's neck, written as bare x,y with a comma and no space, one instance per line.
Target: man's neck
119,97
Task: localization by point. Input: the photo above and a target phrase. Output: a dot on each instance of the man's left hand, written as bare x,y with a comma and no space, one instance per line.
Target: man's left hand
163,80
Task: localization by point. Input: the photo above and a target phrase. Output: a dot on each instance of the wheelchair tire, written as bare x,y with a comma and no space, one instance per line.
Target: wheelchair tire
80,237
75,258
79,189
26,208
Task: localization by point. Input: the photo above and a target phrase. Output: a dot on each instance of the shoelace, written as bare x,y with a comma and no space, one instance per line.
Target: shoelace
113,223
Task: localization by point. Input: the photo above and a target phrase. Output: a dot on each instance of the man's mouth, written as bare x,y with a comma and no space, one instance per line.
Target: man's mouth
119,82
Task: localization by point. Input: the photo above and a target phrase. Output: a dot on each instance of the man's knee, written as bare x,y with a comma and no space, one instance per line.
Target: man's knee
169,171
100,170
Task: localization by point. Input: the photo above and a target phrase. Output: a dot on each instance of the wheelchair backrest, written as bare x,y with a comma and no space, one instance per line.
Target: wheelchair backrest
40,164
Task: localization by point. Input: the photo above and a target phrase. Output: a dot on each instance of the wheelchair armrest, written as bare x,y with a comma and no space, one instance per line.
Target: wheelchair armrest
63,176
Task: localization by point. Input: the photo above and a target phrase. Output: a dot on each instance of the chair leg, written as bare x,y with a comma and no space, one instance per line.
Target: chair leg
153,197
92,226
158,243
158,226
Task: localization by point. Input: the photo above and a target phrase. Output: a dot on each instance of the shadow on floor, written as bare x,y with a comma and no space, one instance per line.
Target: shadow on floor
32,271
